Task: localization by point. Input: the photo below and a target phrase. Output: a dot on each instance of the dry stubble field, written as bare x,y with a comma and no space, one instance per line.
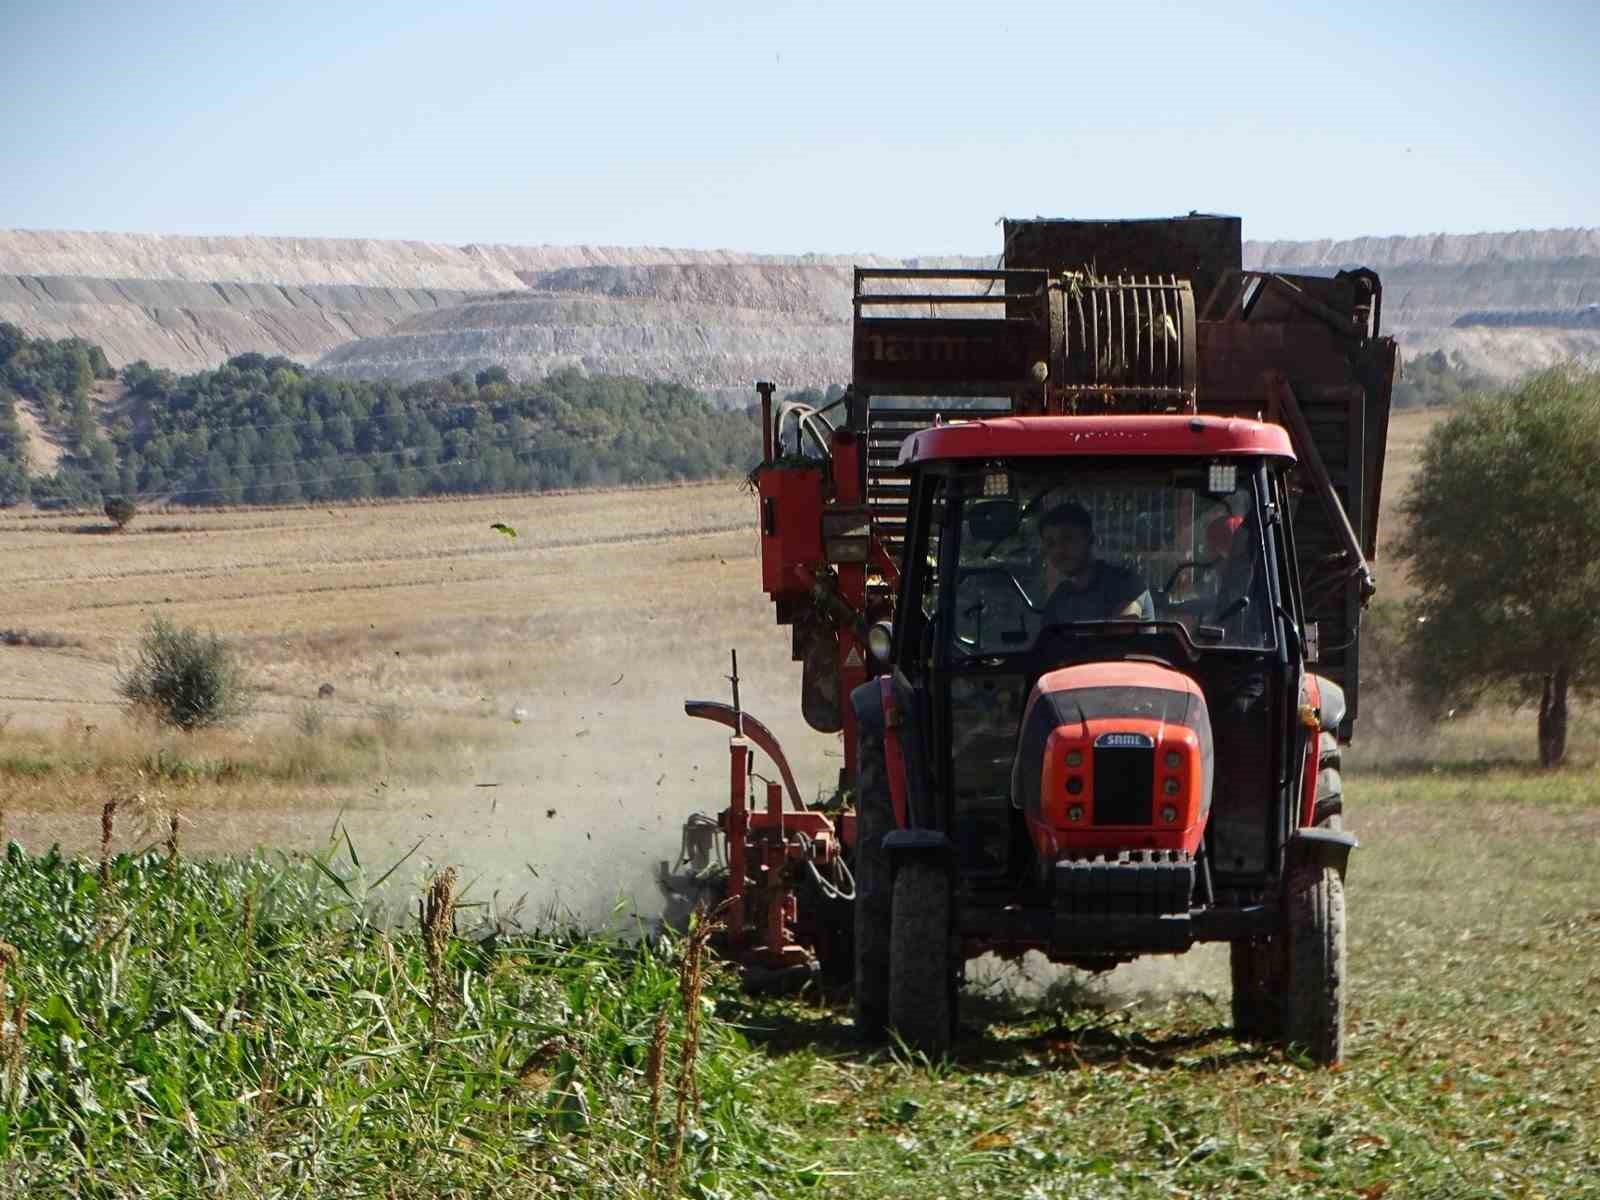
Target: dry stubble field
552,665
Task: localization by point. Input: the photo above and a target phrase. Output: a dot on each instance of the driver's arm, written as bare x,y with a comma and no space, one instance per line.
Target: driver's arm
1132,600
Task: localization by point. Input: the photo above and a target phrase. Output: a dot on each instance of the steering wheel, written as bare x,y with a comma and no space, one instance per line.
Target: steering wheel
967,645
1004,573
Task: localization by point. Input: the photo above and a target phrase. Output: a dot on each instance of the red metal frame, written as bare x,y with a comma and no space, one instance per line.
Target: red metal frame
766,847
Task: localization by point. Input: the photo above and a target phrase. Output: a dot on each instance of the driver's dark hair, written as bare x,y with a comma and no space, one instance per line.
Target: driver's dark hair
1070,513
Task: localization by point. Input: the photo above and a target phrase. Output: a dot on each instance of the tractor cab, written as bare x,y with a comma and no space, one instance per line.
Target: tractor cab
1080,596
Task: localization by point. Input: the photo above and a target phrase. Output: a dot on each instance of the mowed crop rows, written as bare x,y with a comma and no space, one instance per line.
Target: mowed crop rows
404,601
275,571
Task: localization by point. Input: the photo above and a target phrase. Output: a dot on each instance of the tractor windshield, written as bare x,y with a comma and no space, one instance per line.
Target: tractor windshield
1052,546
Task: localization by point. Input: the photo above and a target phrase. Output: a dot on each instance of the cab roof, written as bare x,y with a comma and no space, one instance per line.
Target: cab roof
1183,435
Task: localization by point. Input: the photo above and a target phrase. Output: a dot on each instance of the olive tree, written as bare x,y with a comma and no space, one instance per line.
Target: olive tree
185,678
1503,543
121,510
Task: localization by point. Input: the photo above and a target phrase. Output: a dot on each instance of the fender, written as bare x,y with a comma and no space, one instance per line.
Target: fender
894,755
1311,726
884,706
1320,848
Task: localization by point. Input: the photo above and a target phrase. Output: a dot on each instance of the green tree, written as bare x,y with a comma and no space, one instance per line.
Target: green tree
186,678
1503,521
121,510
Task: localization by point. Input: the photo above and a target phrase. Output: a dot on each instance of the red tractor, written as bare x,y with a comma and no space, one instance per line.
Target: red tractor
1076,567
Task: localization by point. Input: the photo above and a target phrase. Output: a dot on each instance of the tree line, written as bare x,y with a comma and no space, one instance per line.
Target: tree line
58,377
1439,380
267,430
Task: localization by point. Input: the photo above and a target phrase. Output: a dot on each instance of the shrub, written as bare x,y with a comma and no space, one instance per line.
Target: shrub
186,678
121,510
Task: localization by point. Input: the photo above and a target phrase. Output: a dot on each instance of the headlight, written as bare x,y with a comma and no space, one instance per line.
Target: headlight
880,640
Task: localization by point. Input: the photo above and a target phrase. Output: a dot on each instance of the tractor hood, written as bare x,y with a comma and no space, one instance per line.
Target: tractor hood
1112,757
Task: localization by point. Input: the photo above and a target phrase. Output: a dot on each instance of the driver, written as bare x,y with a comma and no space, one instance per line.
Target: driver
1082,587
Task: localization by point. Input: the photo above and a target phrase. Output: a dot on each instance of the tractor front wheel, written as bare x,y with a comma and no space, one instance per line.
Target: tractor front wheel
1314,954
1256,1008
921,974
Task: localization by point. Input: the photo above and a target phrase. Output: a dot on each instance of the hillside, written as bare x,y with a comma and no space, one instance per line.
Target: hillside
712,319
267,430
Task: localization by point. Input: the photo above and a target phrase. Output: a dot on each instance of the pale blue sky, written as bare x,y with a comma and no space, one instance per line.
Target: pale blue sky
896,128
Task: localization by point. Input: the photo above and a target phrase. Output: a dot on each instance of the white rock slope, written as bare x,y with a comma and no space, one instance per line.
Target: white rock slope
715,319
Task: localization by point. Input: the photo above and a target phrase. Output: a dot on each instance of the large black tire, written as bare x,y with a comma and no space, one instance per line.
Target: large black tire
1257,984
1314,956
1330,782
1314,963
1265,1003
874,884
921,974
1314,931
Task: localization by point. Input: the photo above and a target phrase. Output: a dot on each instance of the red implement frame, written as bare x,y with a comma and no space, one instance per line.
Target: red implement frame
767,847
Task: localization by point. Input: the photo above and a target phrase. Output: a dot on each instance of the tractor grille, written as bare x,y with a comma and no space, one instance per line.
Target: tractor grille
1124,780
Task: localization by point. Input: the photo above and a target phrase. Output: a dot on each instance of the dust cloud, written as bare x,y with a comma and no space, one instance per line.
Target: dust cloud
586,793
1146,982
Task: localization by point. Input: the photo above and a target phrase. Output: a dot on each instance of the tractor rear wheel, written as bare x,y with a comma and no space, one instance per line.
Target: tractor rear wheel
1314,962
874,888
1259,999
1330,783
921,975
1313,950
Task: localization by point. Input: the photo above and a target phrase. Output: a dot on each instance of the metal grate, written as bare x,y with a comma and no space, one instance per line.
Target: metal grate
1124,783
890,420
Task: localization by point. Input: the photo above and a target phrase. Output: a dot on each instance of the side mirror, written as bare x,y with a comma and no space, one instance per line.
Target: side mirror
993,517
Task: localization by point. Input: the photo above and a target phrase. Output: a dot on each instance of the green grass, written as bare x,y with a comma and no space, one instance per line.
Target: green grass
239,1028
173,1047
1473,1068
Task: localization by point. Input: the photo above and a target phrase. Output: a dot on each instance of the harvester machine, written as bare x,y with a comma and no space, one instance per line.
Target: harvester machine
1075,567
